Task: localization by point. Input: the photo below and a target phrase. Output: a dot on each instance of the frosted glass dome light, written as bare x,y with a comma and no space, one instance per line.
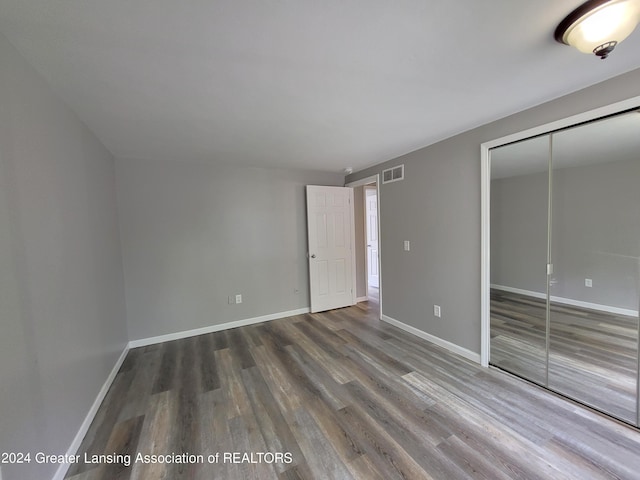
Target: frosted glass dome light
598,26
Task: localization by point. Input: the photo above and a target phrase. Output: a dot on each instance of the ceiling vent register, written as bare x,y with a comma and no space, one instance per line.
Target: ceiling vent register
393,174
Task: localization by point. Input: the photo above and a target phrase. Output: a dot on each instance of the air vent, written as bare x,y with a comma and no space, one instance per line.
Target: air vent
393,174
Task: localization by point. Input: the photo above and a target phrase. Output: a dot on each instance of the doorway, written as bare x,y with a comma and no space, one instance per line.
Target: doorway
372,276
368,244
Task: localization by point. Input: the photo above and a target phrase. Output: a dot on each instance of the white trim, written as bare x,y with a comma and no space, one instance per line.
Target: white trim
143,342
84,428
358,300
485,257
485,198
379,210
569,301
452,347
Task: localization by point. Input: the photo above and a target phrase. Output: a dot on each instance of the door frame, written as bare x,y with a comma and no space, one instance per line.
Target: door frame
360,183
485,199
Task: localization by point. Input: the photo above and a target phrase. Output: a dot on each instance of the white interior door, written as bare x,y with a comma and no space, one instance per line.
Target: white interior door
331,247
371,212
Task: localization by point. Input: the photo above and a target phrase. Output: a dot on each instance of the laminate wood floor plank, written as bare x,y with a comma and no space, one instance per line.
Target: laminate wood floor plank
231,384
213,421
156,436
246,437
348,396
186,420
390,365
320,325
328,389
124,439
312,397
146,371
385,453
327,419
274,428
327,359
393,388
319,453
363,467
205,348
214,433
284,391
219,340
169,366
473,460
97,437
510,445
239,348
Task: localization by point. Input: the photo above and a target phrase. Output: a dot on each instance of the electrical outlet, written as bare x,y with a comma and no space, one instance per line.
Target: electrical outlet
407,245
238,298
588,282
231,299
436,311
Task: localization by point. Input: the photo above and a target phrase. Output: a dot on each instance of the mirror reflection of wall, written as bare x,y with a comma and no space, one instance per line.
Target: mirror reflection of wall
576,329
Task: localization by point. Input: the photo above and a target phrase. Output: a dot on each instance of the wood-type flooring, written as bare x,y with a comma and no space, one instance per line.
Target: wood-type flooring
592,356
347,397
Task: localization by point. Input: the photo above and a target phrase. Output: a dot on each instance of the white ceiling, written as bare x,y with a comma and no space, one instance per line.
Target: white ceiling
316,84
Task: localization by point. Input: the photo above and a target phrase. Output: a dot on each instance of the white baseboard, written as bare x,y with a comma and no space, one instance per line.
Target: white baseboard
358,300
569,301
452,347
143,342
75,445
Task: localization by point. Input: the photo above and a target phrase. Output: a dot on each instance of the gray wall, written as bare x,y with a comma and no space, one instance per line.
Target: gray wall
193,234
361,251
61,280
596,227
437,208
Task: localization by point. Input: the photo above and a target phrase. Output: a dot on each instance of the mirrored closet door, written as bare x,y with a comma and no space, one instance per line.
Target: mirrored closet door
565,262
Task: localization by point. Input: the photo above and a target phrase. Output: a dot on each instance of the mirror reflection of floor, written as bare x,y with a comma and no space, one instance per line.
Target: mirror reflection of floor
593,354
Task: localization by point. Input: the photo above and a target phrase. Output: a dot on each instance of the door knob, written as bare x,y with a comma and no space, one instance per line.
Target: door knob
313,255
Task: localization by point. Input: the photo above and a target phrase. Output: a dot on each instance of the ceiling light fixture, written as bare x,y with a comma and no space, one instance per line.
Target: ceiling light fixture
597,26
